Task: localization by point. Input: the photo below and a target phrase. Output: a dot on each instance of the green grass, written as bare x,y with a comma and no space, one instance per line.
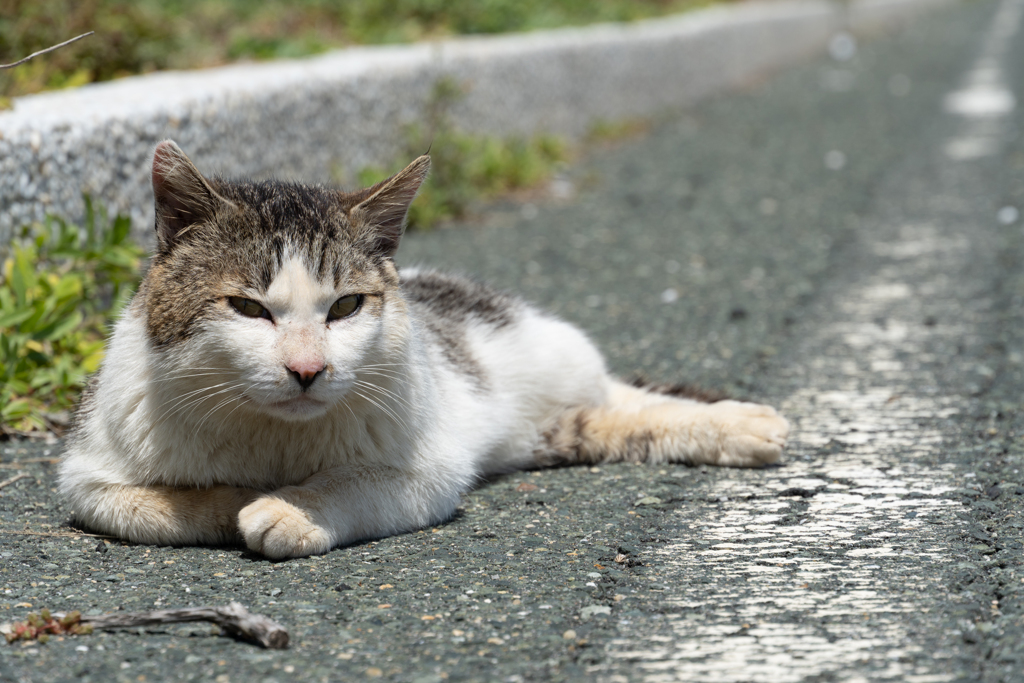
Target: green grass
465,168
138,36
61,287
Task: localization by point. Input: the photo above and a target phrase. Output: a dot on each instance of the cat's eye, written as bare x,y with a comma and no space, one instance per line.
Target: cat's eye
248,307
344,307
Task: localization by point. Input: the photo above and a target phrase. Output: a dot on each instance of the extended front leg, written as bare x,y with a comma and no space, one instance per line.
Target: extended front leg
343,505
162,515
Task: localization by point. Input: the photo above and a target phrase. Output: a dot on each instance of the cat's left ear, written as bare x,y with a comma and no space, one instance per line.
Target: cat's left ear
380,218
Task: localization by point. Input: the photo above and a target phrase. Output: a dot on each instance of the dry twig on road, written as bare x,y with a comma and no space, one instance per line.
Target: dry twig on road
234,618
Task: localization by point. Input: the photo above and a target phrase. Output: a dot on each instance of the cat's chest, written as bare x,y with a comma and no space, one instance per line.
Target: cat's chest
269,454
279,457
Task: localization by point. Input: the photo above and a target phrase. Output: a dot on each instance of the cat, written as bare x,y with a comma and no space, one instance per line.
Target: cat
277,381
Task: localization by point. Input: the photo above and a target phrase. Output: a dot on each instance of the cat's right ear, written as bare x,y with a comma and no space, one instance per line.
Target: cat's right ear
184,198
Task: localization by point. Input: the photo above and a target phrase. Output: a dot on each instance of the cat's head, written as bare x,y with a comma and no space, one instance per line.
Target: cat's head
274,296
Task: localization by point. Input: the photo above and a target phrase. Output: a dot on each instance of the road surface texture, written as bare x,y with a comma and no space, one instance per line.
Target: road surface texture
843,241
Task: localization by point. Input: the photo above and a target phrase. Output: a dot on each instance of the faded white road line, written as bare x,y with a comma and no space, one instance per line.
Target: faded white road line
834,579
848,561
985,101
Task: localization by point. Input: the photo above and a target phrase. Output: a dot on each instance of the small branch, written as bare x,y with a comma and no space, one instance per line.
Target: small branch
43,52
17,477
234,619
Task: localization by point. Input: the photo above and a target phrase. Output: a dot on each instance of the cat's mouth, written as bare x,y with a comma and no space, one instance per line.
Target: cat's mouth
298,407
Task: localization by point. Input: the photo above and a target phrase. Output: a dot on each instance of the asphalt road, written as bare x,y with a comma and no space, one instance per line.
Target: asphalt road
844,241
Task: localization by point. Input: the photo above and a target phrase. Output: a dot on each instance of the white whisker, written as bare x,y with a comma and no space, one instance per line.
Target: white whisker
186,396
176,401
387,373
217,407
179,377
385,392
383,408
216,393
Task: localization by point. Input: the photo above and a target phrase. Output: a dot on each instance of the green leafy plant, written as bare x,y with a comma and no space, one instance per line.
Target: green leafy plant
468,168
61,285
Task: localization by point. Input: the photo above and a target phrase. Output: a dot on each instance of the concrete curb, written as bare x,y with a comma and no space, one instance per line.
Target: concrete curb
305,118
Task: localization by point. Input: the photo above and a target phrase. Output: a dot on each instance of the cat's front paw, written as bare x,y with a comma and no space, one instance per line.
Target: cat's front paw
276,528
751,434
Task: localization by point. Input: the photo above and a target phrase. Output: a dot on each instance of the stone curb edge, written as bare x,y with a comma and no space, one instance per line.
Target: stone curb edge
310,119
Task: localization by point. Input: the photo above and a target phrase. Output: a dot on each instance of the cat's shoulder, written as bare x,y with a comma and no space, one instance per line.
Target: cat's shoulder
458,299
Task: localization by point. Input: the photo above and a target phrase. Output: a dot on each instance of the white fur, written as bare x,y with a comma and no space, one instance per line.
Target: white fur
222,410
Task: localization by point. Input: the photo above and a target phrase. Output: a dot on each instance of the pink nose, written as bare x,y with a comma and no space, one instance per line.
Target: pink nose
305,372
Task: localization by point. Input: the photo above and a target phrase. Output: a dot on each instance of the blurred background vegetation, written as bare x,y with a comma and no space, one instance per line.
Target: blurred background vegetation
62,286
139,36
